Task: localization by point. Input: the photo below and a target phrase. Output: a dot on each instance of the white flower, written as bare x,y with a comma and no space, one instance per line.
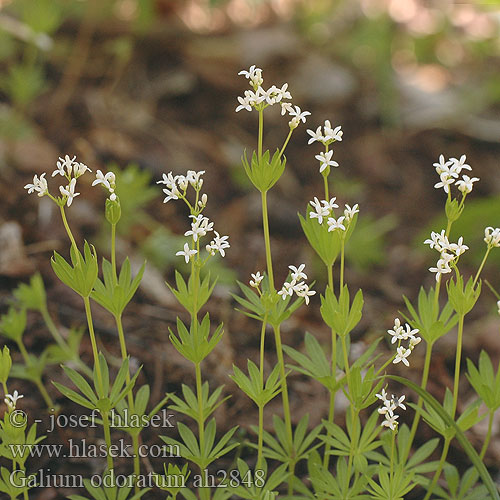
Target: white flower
498,305
254,74
442,266
187,252
303,290
199,227
69,191
396,332
168,179
287,289
401,354
320,210
256,279
245,102
398,402
315,136
465,184
326,160
218,244
172,194
298,116
335,223
39,185
442,166
350,212
11,400
382,396
458,248
438,241
414,341
286,107
194,178
446,180
64,166
409,333
79,169
492,236
458,165
297,273
108,181
332,134
390,421
275,94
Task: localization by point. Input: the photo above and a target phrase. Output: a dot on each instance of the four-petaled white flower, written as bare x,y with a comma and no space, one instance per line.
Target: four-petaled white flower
187,252
349,212
327,135
465,184
492,236
334,224
64,166
254,74
315,135
401,355
218,244
298,272
303,290
326,160
298,116
11,400
79,169
39,185
390,422
320,210
256,279
108,182
69,191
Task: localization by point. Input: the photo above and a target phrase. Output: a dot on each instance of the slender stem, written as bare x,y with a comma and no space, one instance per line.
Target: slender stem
457,363
442,460
488,435
267,239
325,180
107,438
438,285
342,255
261,133
113,251
286,142
260,439
90,324
488,249
68,230
423,385
354,441
346,362
45,395
393,438
5,390
261,408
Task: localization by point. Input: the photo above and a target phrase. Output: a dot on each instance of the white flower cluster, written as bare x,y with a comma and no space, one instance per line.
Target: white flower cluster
450,170
295,285
399,334
107,181
260,99
323,209
492,237
449,252
327,135
66,167
176,186
389,406
498,305
11,400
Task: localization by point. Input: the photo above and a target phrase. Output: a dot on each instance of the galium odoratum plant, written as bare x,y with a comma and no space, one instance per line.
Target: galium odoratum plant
113,293
196,341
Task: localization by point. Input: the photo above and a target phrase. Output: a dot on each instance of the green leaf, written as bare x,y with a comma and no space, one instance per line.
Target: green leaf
339,314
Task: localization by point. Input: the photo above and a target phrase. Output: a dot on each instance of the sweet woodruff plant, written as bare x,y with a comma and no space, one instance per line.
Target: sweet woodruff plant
361,452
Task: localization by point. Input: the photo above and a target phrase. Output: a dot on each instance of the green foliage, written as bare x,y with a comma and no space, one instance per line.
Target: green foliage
5,364
195,294
339,314
431,323
102,398
453,209
81,275
363,385
253,387
32,295
391,485
463,299
173,480
13,324
484,380
23,83
459,485
210,451
266,172
196,343
114,296
109,491
113,211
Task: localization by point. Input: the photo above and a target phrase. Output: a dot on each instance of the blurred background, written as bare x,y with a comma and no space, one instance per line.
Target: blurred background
143,87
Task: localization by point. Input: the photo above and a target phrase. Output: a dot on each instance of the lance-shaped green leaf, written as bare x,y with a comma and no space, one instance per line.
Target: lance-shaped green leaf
251,385
189,405
13,324
196,343
340,314
81,274
484,380
5,364
264,173
11,482
173,480
110,490
185,293
32,295
115,296
453,209
463,298
464,442
431,323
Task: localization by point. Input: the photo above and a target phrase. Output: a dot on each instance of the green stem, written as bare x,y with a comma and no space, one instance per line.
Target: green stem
458,357
261,133
488,249
327,195
68,230
45,395
267,239
393,438
90,324
488,435
346,363
260,439
423,385
107,438
286,142
442,460
354,443
113,252
261,409
342,256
